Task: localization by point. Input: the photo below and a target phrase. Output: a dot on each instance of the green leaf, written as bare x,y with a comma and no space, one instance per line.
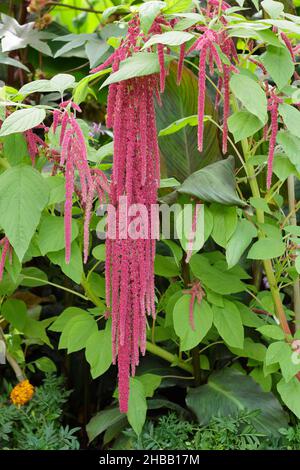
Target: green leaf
15,312
102,421
150,382
148,12
251,95
171,38
33,272
203,318
137,406
225,222
51,233
98,351
266,248
291,118
239,242
272,331
243,124
62,81
274,9
265,382
99,252
291,145
15,148
67,315
81,90
219,281
279,64
37,86
45,364
290,393
214,183
228,322
57,189
177,6
248,317
283,167
179,124
250,349
74,269
23,196
280,352
165,266
228,392
22,120
138,65
260,203
179,153
5,60
80,332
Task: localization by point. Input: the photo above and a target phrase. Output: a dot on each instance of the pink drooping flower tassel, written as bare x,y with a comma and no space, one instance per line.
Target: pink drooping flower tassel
197,293
6,249
273,104
130,254
192,234
161,58
180,64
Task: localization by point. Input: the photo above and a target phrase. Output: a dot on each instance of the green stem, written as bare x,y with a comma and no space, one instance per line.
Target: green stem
260,219
293,221
72,7
57,285
169,357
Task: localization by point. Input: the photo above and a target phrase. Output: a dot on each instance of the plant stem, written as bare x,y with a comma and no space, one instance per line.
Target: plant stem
169,357
293,221
12,362
72,7
260,219
58,286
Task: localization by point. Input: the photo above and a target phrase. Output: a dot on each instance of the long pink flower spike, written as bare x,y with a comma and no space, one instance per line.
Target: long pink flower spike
273,104
5,250
197,293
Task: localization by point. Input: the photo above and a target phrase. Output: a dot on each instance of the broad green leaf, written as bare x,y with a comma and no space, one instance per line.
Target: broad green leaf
67,315
37,86
179,153
45,364
22,120
250,94
214,183
281,352
228,392
190,240
283,167
81,90
15,148
219,281
57,189
250,349
150,382
179,124
74,269
266,248
165,266
239,242
272,331
274,9
177,6
171,38
80,332
265,382
291,118
99,252
243,124
279,64
148,12
62,81
15,312
23,196
138,65
290,393
225,222
260,203
37,273
203,318
51,233
98,351
102,421
5,60
137,406
291,145
228,322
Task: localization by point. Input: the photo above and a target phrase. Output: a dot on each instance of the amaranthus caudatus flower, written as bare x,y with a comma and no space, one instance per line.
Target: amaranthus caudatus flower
129,262
273,103
206,45
6,251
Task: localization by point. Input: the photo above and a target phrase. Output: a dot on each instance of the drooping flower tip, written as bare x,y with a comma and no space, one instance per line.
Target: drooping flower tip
22,393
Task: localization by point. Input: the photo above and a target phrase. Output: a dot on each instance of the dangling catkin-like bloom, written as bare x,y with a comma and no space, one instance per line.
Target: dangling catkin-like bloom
130,258
273,103
6,250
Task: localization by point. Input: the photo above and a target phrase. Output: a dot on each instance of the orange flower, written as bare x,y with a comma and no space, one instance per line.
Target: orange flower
22,393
